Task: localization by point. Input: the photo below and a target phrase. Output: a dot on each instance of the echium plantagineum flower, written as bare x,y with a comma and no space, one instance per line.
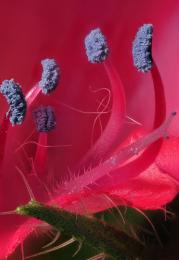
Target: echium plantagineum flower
114,171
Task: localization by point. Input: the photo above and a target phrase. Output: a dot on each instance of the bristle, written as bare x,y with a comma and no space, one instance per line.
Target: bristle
16,100
96,46
44,118
50,75
142,48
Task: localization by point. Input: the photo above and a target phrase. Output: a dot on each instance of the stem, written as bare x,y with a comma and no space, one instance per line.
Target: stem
92,231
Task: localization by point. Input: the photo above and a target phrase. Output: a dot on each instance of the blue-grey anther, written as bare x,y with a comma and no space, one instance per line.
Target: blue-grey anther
142,48
13,93
50,75
44,118
96,46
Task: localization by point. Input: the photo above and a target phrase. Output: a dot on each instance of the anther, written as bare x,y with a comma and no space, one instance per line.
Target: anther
44,118
96,46
142,48
50,75
13,93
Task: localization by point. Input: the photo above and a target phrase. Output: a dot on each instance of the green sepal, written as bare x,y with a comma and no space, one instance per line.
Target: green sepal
94,232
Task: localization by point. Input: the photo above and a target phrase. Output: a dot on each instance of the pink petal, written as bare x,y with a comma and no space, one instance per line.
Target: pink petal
53,31
168,159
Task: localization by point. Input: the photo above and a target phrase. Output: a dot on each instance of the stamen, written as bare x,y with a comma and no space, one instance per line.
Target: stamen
15,98
78,183
44,118
142,162
142,48
109,139
49,80
96,46
149,155
50,76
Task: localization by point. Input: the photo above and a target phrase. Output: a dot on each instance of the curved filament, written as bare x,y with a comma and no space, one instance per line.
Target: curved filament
109,139
135,167
3,134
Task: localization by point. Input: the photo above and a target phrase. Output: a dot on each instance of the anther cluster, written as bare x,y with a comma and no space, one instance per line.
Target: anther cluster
16,100
50,75
142,48
44,118
96,46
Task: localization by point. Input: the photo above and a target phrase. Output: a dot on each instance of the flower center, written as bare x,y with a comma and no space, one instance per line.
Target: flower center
113,162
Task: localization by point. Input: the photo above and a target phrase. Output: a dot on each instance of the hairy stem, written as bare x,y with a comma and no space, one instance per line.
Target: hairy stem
92,231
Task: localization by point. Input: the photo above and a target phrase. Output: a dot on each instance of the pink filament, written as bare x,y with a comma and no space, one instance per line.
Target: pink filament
5,125
140,164
3,133
160,102
32,94
41,155
109,139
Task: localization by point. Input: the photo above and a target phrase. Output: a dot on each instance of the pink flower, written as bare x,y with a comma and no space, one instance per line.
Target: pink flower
107,177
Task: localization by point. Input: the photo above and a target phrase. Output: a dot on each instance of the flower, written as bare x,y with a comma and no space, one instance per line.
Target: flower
35,31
